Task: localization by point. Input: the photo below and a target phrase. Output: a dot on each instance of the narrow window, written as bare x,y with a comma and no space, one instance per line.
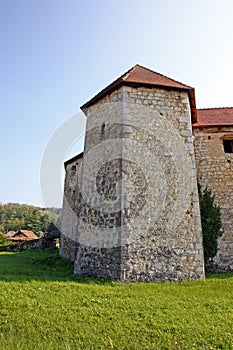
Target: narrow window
73,170
103,128
228,146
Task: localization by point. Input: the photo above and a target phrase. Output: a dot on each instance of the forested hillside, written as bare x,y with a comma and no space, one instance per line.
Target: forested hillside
14,216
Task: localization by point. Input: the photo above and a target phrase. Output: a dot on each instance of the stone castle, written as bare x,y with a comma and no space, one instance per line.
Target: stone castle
131,209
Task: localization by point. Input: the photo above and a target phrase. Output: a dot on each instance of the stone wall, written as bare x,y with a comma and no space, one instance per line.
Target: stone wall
42,243
138,209
69,211
98,230
215,171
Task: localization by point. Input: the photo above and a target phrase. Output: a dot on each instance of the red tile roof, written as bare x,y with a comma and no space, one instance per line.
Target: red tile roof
214,117
141,76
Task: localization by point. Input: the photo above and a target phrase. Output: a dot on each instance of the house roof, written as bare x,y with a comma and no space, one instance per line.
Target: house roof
23,235
214,117
141,76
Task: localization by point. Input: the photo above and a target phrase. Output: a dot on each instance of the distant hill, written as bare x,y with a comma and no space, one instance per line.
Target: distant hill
15,216
56,211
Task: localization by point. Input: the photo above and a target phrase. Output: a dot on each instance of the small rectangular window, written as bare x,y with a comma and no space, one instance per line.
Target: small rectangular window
73,170
102,128
228,146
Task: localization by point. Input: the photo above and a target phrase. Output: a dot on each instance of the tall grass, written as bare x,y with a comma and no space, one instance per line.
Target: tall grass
44,306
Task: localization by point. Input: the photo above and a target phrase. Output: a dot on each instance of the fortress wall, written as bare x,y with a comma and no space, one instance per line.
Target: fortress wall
165,240
69,211
99,248
215,172
138,213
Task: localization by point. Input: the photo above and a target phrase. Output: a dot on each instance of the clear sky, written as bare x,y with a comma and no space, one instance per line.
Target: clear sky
57,54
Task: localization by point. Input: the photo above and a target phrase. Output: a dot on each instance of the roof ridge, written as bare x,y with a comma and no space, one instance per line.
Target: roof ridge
130,70
162,75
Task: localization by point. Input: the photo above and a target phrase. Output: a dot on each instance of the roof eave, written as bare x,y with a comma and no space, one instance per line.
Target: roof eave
119,83
197,125
73,159
108,90
192,101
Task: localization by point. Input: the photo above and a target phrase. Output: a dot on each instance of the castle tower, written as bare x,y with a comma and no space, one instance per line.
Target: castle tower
137,209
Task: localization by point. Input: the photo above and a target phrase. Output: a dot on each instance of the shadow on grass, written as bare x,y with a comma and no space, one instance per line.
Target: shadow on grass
41,265
46,265
220,275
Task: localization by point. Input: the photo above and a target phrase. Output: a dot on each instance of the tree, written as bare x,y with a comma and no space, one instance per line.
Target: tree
211,223
3,239
14,216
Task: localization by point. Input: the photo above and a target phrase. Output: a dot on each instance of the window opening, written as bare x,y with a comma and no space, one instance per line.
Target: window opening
73,170
103,128
228,146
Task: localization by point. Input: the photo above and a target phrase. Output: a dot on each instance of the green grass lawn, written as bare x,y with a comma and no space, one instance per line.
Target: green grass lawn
44,306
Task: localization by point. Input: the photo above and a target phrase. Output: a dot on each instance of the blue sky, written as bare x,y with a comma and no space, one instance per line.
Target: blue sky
57,54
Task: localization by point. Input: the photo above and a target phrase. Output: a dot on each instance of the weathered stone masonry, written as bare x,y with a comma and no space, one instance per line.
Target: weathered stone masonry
153,231
131,209
69,210
215,171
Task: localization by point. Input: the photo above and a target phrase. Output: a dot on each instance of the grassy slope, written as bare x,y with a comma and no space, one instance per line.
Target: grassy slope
44,306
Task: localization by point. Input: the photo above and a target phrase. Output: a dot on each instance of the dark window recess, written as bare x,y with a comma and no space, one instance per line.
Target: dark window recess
228,146
73,170
103,128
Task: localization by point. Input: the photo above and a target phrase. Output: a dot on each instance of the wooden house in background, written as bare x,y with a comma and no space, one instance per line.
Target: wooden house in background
23,235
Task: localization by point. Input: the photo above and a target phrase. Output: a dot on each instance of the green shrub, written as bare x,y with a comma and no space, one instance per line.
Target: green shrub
3,239
211,223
